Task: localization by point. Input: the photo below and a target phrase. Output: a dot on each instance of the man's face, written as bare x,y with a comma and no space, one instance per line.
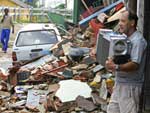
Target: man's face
124,23
6,11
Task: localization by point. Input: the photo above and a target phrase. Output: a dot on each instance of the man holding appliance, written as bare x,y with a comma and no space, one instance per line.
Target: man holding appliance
129,76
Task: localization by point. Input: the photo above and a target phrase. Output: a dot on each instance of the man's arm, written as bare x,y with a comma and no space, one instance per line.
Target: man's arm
13,28
3,19
12,25
127,67
138,50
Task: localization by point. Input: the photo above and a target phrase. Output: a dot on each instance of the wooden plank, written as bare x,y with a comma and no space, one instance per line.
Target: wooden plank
86,7
116,15
100,11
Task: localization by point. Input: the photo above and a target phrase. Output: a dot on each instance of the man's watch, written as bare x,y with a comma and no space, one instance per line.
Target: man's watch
117,67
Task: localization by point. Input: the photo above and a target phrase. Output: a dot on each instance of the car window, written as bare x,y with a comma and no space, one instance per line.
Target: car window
38,37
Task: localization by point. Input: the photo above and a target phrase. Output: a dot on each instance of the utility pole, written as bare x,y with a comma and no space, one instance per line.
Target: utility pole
131,5
43,2
66,4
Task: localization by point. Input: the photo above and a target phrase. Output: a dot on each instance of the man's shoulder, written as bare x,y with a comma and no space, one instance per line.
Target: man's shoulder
138,36
138,33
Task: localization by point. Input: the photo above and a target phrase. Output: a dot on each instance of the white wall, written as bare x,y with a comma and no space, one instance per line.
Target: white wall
53,3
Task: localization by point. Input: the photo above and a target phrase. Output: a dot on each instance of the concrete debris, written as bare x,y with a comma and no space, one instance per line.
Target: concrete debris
80,67
76,88
85,104
70,80
18,104
53,87
97,100
3,74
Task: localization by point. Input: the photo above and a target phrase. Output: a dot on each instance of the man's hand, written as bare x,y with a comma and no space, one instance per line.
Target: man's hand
13,28
13,31
93,52
110,65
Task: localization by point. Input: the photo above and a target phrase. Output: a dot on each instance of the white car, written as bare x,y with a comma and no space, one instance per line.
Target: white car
33,39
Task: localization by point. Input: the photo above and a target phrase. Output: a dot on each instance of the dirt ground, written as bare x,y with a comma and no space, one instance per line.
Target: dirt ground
11,40
5,58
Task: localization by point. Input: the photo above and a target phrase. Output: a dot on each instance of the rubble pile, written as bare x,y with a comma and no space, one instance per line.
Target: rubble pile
67,81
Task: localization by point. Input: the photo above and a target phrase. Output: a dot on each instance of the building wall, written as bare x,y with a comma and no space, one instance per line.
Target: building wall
8,3
143,11
147,36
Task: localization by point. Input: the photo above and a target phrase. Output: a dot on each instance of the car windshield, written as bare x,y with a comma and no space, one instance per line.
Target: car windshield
38,37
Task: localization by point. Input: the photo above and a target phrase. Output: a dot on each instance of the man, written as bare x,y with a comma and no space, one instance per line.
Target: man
129,76
6,26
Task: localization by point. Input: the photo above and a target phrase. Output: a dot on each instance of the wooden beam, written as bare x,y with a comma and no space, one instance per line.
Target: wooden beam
100,11
86,7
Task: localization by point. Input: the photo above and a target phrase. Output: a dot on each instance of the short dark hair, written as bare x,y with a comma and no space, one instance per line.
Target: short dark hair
6,9
133,16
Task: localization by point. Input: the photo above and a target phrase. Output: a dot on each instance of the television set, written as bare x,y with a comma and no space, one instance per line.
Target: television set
114,45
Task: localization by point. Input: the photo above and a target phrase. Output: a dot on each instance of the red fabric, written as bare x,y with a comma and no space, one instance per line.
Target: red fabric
119,6
96,26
